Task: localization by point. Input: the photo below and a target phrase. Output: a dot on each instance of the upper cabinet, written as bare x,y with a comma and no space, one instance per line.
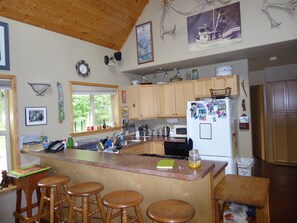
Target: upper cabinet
223,82
203,85
170,100
173,97
142,101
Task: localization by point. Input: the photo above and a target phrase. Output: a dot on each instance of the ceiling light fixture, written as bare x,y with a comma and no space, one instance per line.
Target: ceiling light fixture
39,88
273,58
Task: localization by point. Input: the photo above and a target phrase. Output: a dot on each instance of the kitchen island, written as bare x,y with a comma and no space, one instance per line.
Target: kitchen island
140,173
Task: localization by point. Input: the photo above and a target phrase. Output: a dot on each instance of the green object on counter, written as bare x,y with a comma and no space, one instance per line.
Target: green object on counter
70,142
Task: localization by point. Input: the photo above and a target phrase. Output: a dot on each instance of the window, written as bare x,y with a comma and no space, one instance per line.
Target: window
5,155
94,107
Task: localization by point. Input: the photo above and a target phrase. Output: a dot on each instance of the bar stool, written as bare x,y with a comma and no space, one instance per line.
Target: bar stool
85,191
170,211
56,186
123,199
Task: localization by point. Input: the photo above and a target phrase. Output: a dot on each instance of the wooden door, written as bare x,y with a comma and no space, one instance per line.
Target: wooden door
202,87
133,102
279,136
292,96
148,101
258,121
166,100
184,92
230,81
158,148
278,96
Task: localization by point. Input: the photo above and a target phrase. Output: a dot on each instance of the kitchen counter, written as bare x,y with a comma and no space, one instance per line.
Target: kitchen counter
134,172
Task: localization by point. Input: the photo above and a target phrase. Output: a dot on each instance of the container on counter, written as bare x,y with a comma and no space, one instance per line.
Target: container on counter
194,160
70,142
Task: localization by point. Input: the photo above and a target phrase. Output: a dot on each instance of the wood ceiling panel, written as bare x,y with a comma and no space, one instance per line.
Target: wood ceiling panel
106,23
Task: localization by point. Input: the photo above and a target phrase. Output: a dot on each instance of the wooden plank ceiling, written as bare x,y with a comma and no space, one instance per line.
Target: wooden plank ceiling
106,23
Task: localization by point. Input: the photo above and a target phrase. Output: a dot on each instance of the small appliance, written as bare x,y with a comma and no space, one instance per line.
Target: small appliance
165,131
180,131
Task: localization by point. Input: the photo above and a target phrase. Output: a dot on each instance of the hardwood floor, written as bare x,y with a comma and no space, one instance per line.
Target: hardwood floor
282,190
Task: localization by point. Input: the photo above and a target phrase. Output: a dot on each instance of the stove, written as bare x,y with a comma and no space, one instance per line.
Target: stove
165,156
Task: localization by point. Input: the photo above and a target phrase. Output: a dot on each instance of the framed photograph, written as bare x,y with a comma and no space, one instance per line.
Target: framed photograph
144,40
36,116
4,47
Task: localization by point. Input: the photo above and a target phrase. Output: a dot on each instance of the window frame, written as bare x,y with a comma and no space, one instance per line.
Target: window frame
13,125
116,108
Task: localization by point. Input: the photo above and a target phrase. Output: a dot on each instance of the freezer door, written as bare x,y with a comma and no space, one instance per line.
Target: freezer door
209,126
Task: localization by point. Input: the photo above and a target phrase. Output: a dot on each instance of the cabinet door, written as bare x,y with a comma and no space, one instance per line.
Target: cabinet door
227,81
202,87
184,92
148,101
278,96
292,96
138,149
279,129
292,137
133,102
158,148
166,100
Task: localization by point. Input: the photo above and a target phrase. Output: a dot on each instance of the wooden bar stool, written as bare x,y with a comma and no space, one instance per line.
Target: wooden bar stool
170,211
123,199
85,191
56,186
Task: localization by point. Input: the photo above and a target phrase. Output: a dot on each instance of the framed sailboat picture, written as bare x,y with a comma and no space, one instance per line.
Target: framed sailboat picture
218,27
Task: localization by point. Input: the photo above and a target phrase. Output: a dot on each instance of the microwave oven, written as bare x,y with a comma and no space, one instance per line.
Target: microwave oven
180,131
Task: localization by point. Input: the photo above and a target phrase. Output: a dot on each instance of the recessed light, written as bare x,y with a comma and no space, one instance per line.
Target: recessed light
273,58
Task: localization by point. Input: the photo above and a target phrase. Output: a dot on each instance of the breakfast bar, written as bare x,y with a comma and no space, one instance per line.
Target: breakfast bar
140,173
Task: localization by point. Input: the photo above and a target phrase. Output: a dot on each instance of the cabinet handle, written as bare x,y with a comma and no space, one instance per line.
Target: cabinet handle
133,105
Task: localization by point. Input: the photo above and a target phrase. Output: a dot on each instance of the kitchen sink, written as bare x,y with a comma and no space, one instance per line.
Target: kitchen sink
131,142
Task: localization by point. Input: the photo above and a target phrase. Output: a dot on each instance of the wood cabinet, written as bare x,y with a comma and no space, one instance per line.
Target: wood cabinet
283,103
158,148
133,102
223,82
202,87
173,97
138,149
142,101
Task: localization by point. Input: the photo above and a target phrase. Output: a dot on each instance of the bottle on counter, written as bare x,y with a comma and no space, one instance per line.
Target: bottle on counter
70,142
194,160
137,134
64,142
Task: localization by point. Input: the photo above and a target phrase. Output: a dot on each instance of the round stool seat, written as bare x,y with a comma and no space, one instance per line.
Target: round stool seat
54,181
85,189
170,211
122,199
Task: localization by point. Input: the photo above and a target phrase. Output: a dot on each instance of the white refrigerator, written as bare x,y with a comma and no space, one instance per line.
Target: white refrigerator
211,124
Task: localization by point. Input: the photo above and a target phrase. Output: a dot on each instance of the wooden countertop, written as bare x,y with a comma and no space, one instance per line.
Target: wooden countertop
131,163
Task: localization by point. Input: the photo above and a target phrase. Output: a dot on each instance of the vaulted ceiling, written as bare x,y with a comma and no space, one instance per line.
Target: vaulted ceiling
106,23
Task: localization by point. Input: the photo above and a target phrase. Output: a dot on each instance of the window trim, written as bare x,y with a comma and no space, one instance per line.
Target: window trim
116,110
13,122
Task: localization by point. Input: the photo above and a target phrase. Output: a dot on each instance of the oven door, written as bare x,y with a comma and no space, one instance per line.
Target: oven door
176,149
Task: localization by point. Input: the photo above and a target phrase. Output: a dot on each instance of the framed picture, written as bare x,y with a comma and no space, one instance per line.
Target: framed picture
4,47
36,116
144,40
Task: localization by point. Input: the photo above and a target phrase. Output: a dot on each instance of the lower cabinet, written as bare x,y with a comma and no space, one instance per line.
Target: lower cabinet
158,148
138,149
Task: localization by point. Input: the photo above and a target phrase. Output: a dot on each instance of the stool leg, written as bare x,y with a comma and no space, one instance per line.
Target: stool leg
52,206
138,214
100,206
86,209
108,215
18,204
60,207
40,209
124,215
71,209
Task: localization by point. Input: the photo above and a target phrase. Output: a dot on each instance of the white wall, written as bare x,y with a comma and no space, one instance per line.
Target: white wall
255,25
38,55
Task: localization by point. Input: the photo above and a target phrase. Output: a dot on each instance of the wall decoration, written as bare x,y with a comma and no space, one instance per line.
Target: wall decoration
35,116
60,102
221,26
124,96
289,6
144,40
4,47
